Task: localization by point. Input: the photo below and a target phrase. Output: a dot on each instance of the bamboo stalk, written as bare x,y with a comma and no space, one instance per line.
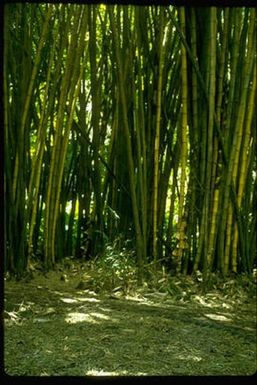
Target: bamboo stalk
29,94
37,160
184,141
236,144
245,149
139,246
212,94
72,97
162,36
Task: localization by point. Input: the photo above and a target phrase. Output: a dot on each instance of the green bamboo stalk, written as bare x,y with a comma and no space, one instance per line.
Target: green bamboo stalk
236,14
138,118
157,133
37,160
212,87
226,216
54,175
193,188
29,93
223,56
244,151
141,118
95,115
205,143
72,97
184,140
8,251
139,246
170,229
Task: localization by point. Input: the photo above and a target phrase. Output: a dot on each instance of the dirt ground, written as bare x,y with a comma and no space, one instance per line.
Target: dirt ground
59,324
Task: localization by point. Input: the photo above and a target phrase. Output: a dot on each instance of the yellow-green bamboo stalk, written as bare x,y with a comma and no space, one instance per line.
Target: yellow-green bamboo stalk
194,79
221,72
245,150
237,139
73,95
63,153
195,129
142,162
236,17
157,133
184,140
207,143
139,244
216,195
54,172
36,167
29,92
228,238
213,227
212,94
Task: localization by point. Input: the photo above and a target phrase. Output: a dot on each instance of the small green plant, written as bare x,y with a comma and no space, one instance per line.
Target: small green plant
117,265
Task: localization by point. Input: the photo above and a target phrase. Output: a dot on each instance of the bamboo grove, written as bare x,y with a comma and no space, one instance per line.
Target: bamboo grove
136,122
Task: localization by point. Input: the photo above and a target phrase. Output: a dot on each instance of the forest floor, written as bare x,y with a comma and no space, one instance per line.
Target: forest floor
59,324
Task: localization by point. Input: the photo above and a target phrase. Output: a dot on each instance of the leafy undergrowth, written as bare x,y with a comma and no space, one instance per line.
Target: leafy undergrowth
79,321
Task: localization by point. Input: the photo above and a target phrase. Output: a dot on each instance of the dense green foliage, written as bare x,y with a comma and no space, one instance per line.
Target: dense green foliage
132,125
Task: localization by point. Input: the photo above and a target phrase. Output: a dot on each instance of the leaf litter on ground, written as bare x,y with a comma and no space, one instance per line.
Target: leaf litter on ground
94,323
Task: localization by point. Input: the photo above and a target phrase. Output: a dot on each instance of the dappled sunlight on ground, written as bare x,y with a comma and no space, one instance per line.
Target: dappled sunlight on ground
80,317
76,300
218,317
